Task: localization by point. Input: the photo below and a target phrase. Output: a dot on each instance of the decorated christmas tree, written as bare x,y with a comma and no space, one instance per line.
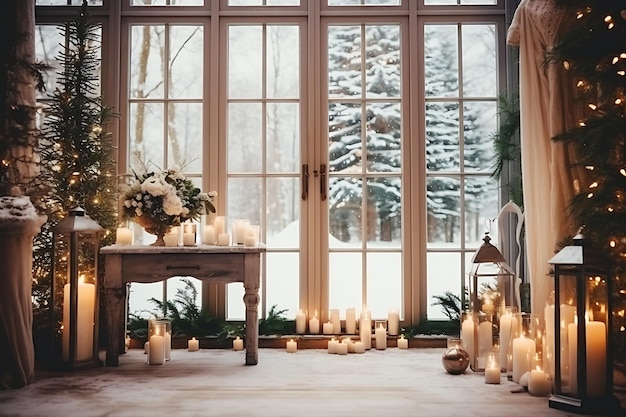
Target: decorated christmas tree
77,166
594,52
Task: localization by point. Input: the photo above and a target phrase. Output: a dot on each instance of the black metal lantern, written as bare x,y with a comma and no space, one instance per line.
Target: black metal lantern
583,371
76,244
491,291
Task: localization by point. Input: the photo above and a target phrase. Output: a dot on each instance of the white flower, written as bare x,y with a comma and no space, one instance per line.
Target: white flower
172,204
128,203
138,196
155,186
138,211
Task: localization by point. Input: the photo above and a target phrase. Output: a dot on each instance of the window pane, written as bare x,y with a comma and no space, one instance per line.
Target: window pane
283,70
442,137
479,60
186,46
283,204
244,200
244,137
245,60
384,283
184,136
345,202
441,64
344,137
283,137
167,2
383,60
146,61
48,46
383,212
344,61
443,198
479,124
344,280
139,298
146,133
481,204
444,274
384,138
283,282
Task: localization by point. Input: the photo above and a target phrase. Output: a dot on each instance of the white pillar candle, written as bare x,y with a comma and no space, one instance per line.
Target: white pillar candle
342,348
167,344
595,333
507,323
538,383
156,352
314,325
523,354
332,345
300,322
350,344
393,322
123,236
220,225
403,343
292,346
238,344
249,241
189,239
85,311
223,239
351,320
359,347
381,337
193,344
365,332
492,370
485,341
334,319
467,337
146,347
209,235
327,328
171,238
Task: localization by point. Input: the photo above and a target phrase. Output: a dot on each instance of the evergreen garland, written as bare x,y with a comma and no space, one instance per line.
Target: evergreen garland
593,50
78,168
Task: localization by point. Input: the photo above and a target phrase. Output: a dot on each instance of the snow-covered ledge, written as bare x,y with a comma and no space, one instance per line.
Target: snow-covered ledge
19,224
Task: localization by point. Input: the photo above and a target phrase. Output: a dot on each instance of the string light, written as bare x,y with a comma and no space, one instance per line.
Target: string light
592,106
593,184
590,195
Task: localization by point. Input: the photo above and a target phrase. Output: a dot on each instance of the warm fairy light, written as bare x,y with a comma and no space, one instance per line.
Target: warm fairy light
592,106
611,25
590,167
72,182
618,101
590,195
615,60
582,124
580,83
612,243
566,65
623,172
608,18
579,15
96,201
593,184
610,209
622,73
5,162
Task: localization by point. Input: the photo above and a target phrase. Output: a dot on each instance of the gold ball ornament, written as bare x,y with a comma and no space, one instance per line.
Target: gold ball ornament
455,360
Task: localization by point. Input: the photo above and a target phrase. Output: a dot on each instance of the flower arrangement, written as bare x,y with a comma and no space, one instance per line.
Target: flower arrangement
160,199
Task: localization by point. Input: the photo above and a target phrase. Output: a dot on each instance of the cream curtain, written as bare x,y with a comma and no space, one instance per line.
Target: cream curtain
546,109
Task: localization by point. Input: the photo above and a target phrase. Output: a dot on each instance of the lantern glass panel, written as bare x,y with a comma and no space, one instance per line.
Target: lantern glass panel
567,298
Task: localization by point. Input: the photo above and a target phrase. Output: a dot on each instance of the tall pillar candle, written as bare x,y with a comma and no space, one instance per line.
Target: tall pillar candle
595,333
381,337
507,323
485,342
365,332
314,325
300,322
334,319
523,354
467,336
393,323
351,320
85,311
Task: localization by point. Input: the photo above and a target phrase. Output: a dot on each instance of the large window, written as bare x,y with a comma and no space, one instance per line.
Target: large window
355,133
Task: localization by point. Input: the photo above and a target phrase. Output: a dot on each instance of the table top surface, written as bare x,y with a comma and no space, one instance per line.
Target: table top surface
199,249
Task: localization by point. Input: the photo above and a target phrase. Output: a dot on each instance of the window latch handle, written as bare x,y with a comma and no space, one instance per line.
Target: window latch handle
305,182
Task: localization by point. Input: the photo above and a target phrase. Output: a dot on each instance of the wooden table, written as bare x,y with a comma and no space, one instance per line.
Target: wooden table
138,263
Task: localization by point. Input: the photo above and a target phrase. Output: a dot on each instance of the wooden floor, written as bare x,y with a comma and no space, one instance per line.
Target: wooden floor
311,382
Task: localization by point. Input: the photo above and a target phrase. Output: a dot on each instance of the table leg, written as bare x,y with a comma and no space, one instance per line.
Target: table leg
113,303
251,299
